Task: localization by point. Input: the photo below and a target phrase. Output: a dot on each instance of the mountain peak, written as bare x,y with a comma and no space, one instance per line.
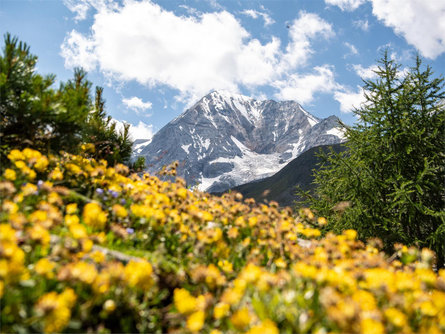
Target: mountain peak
227,95
224,102
227,139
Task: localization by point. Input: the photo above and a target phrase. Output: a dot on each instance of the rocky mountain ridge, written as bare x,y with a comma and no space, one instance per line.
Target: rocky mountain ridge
226,139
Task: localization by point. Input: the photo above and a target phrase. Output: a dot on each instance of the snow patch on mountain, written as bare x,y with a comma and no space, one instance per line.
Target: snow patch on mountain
186,148
336,132
247,167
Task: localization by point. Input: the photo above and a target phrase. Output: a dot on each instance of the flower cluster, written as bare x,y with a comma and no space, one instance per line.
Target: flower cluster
88,247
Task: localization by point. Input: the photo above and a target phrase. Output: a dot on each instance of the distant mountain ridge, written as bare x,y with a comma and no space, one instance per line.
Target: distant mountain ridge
281,187
226,139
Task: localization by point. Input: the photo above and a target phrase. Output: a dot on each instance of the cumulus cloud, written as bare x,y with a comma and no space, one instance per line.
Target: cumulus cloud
305,28
139,131
346,5
193,55
302,88
365,72
78,50
256,14
136,104
143,42
420,22
349,99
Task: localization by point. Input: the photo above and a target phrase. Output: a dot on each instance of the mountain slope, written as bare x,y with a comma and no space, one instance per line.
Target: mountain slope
228,139
280,187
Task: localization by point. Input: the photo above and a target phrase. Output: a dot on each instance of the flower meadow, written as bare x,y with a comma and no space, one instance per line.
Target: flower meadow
85,247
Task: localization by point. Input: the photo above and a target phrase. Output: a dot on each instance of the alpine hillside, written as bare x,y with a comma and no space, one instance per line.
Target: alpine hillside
227,139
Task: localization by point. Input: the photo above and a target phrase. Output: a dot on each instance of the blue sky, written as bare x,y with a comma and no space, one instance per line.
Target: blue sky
156,58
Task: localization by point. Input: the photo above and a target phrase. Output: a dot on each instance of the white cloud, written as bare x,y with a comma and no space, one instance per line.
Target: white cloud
256,14
306,27
140,41
78,50
352,49
365,72
136,104
349,99
420,22
79,7
362,24
257,63
348,5
302,88
139,131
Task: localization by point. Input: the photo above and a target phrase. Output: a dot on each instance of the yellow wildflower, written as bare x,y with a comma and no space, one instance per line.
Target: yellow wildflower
221,310
87,244
350,234
395,317
252,221
94,216
371,326
78,231
39,233
31,154
71,208
56,174
56,309
45,268
10,174
365,300
41,163
138,274
182,192
15,155
233,232
20,165
266,327
10,207
7,233
82,271
427,308
195,321
226,266
68,297
74,169
280,263
72,220
120,211
29,189
241,318
97,256
184,301
304,270
322,221
251,273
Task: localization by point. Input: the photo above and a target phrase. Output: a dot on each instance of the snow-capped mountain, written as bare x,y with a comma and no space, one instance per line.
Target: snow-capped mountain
228,139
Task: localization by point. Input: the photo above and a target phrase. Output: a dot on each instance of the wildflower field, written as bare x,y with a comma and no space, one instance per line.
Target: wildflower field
89,248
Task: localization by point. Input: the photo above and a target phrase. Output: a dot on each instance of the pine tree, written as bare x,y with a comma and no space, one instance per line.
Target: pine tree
390,182
27,100
34,114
